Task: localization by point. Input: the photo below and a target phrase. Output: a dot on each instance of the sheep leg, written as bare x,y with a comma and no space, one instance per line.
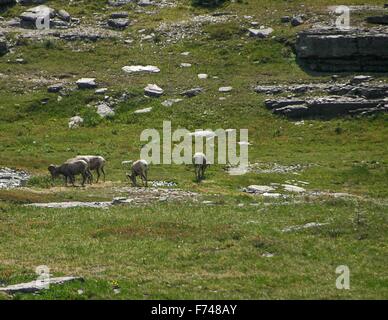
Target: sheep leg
144,179
65,178
84,177
98,174
72,180
103,172
90,176
197,173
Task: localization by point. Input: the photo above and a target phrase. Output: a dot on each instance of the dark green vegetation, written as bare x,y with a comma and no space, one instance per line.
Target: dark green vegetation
185,249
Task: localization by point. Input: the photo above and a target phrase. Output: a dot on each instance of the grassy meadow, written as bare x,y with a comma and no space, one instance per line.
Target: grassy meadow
189,249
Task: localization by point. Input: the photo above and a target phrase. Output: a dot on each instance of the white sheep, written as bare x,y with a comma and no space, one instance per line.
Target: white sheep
139,168
200,165
96,163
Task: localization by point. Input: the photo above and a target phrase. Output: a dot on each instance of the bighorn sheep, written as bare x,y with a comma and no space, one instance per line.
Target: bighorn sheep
139,168
200,165
95,163
69,170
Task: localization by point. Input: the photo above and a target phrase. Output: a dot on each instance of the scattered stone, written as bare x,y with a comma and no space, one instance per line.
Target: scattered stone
170,102
260,33
101,91
185,65
152,90
305,226
225,89
119,15
141,69
55,88
75,122
292,188
258,189
10,178
192,92
202,76
64,15
86,83
360,79
297,21
119,23
145,110
160,184
36,285
104,110
285,19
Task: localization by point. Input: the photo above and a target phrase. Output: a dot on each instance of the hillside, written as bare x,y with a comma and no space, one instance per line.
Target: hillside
179,239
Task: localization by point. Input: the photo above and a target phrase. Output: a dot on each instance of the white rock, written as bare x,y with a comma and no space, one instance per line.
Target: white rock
203,76
101,91
105,111
145,110
141,69
260,33
185,65
34,286
292,188
75,122
153,90
225,89
259,189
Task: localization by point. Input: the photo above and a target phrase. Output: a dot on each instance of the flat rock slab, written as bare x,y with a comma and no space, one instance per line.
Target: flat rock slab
305,226
141,69
73,204
34,286
326,107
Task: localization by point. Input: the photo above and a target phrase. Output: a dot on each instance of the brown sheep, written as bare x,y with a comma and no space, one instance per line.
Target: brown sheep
139,168
69,170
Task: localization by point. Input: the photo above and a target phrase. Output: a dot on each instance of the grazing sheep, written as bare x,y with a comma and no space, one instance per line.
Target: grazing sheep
69,170
95,163
200,165
139,168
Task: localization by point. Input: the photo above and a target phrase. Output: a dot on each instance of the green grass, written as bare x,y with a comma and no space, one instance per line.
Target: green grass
184,249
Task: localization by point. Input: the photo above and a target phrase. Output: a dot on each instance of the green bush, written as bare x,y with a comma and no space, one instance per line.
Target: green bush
207,3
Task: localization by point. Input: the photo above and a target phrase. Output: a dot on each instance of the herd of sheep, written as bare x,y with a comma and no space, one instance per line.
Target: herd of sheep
83,165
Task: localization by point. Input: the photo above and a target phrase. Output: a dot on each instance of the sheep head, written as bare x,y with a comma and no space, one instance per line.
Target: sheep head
53,170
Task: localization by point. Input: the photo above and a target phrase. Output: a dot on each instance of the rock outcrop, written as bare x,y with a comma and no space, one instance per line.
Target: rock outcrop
335,50
327,107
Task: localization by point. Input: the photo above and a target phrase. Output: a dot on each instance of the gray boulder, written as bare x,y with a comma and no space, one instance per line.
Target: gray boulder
120,23
64,15
192,92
